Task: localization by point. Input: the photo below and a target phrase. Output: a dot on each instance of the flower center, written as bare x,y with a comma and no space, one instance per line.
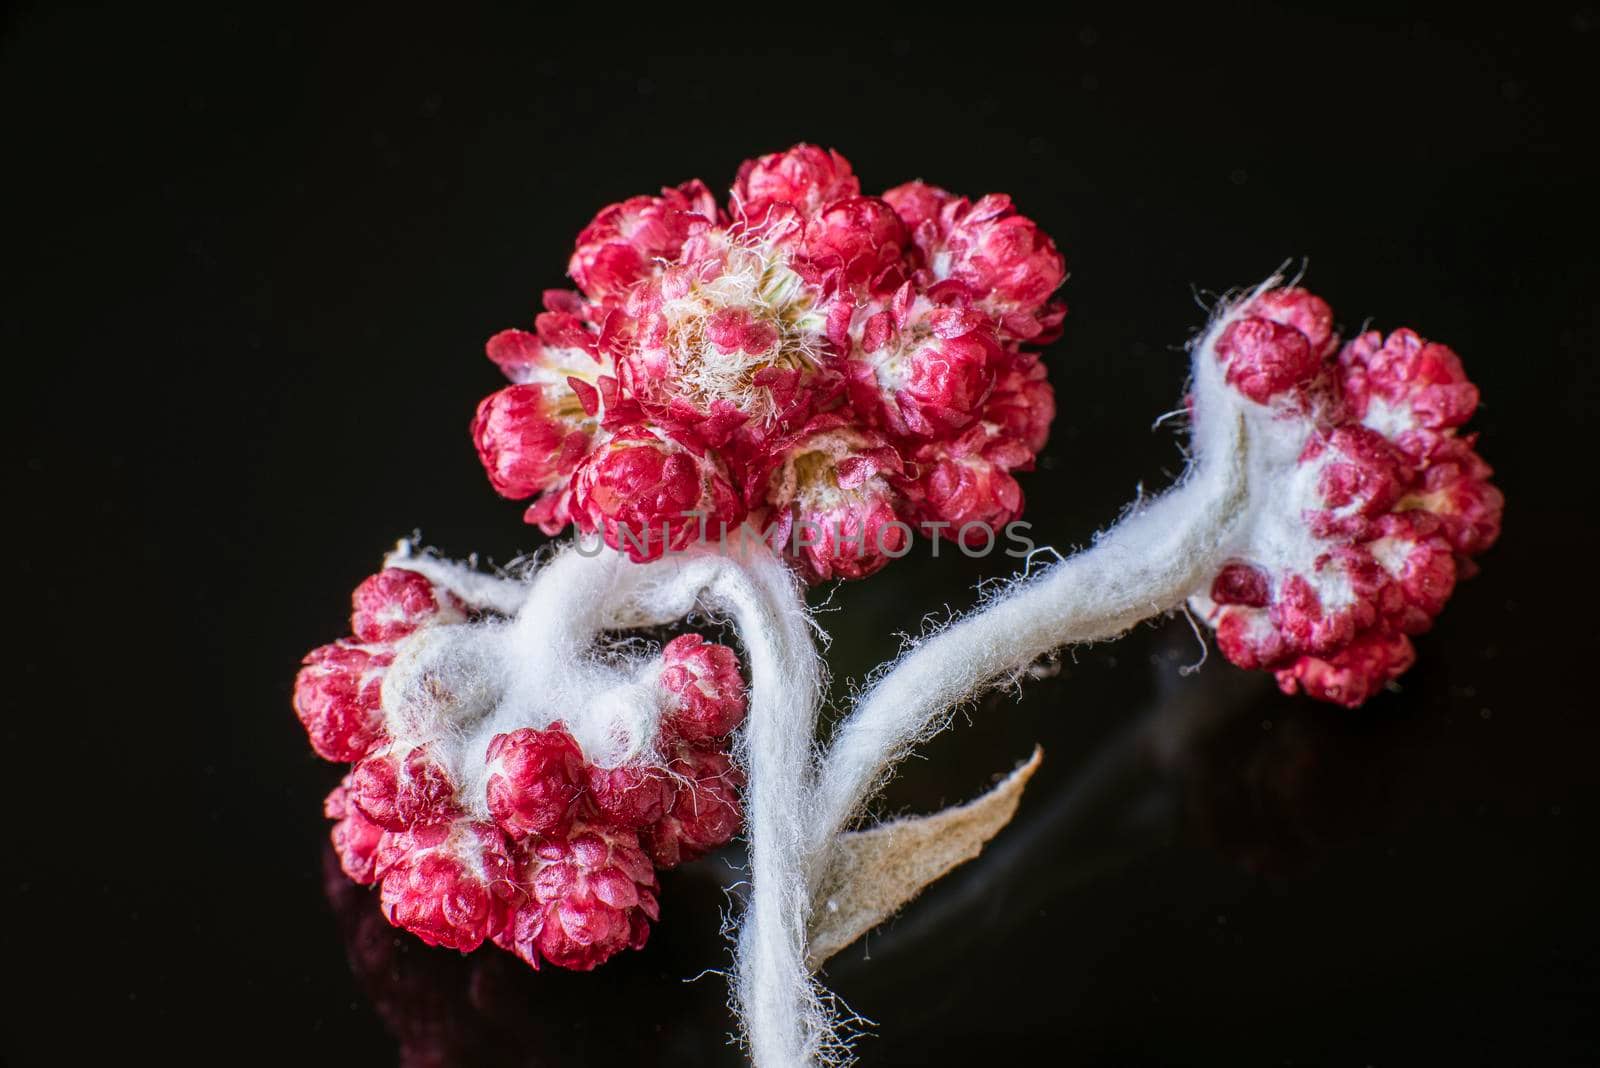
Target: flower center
726,332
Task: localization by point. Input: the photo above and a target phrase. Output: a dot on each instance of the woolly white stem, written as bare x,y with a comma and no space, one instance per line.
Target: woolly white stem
785,1018
568,604
1146,565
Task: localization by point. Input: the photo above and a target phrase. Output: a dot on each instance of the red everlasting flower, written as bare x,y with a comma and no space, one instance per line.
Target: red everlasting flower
1364,533
702,344
560,873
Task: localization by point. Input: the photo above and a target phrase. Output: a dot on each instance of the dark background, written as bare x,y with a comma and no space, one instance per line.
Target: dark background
252,261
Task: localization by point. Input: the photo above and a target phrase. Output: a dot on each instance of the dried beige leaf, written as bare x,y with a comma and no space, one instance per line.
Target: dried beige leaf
876,871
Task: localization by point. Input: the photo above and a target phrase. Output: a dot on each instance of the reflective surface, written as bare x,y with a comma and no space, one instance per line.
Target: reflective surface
1253,874
261,261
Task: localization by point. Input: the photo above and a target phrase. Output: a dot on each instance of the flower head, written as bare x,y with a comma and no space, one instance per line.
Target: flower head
705,344
477,829
1368,509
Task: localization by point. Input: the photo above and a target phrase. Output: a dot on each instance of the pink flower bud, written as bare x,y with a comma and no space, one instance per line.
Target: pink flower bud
1003,256
632,796
1454,487
625,242
1241,583
356,839
1421,566
918,203
806,177
337,696
1301,310
535,780
860,242
593,894
923,370
833,508
527,439
1405,387
1358,671
1023,404
703,692
965,484
394,602
705,814
995,256
646,494
450,884
1360,476
399,793
1266,359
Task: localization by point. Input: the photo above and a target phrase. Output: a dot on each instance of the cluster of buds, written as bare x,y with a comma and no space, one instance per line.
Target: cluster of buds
1369,502
514,836
838,370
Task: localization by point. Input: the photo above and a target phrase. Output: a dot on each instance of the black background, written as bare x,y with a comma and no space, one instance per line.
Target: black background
251,262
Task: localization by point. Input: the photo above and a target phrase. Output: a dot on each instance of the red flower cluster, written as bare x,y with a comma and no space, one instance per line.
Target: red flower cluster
840,370
555,858
1379,508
